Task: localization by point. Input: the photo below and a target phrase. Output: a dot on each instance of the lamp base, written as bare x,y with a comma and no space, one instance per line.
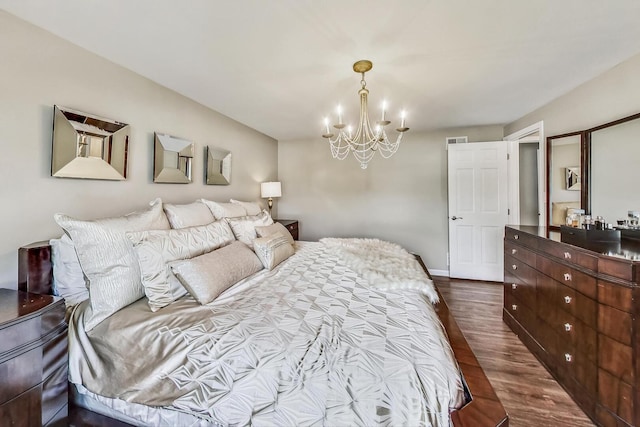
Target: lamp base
270,204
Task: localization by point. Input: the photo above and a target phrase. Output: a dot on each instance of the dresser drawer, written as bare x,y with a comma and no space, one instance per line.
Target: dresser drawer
578,366
578,335
616,396
523,290
20,373
617,296
615,324
615,358
516,236
520,252
577,305
569,254
582,282
23,410
523,314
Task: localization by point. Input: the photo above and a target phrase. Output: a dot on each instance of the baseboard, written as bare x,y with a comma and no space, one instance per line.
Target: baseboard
434,272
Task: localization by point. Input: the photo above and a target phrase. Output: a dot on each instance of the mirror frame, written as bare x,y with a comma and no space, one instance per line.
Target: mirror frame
177,149
217,166
88,146
583,177
587,141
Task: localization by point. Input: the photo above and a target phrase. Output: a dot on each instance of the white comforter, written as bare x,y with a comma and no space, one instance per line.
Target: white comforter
310,343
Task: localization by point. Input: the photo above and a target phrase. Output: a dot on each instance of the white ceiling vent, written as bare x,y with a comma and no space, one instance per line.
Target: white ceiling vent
457,140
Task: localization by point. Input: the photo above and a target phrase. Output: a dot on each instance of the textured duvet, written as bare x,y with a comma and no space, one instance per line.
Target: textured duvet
309,343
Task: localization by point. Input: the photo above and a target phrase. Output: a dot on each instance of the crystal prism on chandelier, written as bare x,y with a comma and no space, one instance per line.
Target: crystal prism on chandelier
367,140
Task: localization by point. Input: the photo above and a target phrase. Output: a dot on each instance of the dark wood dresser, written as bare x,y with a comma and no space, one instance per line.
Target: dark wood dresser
576,309
33,359
291,225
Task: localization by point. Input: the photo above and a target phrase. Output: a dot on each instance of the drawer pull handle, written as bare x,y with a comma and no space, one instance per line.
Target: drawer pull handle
514,286
514,307
567,255
568,357
514,251
567,277
568,327
567,299
516,237
515,267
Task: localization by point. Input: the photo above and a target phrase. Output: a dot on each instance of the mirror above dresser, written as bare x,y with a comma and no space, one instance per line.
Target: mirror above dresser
604,161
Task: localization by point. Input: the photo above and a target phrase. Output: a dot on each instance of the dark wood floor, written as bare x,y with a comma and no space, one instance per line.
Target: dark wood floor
529,394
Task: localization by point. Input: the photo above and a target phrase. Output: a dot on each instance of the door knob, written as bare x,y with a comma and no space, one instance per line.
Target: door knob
453,218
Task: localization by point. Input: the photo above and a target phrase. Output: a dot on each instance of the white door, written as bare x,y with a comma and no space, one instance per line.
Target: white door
478,209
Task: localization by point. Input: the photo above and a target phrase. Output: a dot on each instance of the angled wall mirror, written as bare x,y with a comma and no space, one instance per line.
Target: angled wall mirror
88,146
172,158
218,166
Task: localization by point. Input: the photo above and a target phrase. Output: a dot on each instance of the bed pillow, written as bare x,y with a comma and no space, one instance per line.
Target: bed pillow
208,275
156,248
244,228
108,260
273,249
224,210
188,215
276,227
252,208
68,279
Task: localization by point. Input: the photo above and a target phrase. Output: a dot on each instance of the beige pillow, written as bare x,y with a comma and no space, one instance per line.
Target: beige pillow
244,228
208,275
157,248
273,249
276,227
188,215
252,208
108,260
224,210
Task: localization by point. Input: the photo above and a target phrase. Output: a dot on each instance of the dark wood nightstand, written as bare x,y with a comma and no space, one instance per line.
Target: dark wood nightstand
33,359
291,225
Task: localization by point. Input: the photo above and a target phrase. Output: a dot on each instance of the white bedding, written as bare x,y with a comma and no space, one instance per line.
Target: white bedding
308,343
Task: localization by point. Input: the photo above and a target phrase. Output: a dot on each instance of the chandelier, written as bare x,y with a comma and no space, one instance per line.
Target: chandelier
367,140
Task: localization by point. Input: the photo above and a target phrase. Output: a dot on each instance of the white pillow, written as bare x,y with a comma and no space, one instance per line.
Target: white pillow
276,227
108,260
156,248
208,275
252,208
273,249
224,210
188,215
244,228
68,280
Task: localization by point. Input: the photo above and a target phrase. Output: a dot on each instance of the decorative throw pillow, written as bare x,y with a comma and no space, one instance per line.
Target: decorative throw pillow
276,227
188,215
252,208
156,248
244,228
224,210
68,279
108,260
208,275
273,249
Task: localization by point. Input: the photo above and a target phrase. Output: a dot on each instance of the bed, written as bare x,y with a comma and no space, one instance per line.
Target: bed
307,342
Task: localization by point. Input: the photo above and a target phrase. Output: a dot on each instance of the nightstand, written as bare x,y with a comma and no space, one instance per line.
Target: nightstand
33,359
291,225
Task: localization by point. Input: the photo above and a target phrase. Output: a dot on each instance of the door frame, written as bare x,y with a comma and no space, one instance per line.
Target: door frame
513,171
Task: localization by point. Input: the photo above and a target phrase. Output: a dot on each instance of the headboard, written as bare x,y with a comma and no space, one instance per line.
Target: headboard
35,271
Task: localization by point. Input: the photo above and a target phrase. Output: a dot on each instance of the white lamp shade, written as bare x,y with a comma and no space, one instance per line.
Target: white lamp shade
270,189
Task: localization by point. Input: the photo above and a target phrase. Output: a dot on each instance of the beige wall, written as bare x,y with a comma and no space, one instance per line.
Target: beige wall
402,199
39,70
610,96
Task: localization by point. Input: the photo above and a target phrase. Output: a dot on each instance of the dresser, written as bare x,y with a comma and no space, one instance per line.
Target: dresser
291,225
33,359
576,309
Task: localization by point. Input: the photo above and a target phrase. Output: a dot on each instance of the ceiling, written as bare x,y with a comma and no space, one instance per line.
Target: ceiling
280,66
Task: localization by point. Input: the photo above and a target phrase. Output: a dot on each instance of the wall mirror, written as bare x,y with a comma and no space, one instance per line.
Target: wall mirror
172,159
218,166
563,176
613,151
88,146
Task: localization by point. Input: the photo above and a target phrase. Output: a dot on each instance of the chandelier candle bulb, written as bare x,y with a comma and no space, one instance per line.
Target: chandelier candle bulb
339,114
384,107
403,114
326,124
